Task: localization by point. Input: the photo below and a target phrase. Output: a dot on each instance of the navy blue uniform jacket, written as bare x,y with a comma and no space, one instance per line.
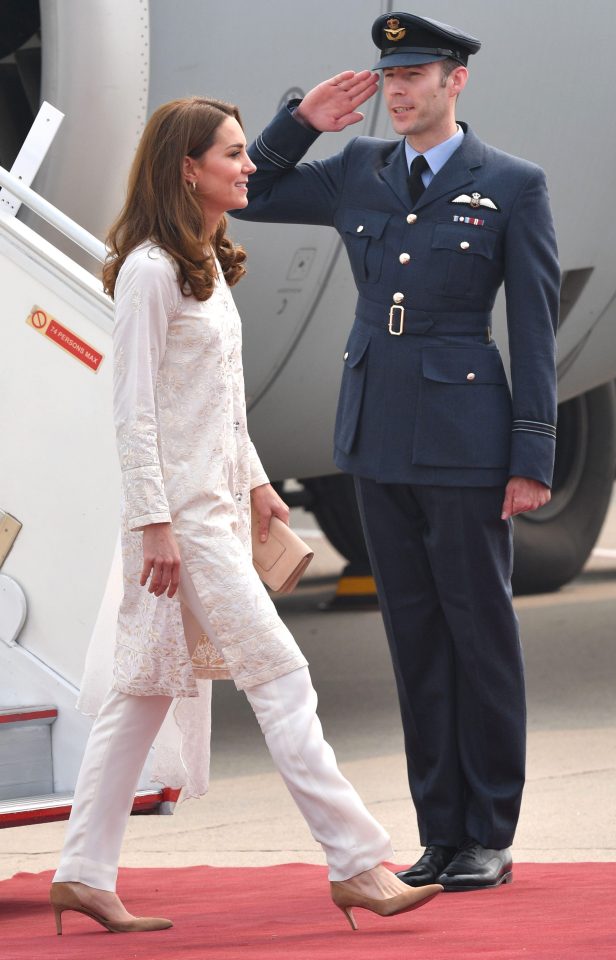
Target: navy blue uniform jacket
431,406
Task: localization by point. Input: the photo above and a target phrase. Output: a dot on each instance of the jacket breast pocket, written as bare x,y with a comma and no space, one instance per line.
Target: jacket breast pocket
464,409
362,232
462,258
351,389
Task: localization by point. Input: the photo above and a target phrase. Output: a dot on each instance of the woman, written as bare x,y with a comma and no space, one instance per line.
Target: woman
190,474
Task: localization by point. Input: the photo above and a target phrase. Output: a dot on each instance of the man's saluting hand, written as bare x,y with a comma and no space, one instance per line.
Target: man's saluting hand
332,105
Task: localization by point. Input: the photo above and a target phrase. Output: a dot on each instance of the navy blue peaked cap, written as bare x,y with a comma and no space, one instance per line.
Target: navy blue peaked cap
405,40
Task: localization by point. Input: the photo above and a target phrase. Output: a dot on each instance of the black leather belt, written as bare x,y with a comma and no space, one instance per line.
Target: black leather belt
398,320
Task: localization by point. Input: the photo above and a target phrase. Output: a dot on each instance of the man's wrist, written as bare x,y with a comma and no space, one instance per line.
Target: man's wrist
295,108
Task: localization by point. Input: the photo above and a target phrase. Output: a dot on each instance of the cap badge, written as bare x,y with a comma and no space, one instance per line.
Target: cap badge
475,200
393,30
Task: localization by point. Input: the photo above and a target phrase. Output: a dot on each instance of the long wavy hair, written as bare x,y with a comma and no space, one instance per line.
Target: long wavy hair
161,207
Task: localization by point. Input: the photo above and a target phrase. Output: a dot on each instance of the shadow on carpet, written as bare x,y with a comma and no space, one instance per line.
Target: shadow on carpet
550,912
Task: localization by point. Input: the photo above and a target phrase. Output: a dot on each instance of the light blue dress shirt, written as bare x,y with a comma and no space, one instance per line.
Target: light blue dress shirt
436,157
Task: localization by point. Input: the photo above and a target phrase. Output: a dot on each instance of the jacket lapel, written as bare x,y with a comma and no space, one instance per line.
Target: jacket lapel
458,172
395,174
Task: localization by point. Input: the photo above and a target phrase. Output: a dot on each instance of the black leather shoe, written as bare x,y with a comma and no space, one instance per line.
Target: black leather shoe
428,867
475,867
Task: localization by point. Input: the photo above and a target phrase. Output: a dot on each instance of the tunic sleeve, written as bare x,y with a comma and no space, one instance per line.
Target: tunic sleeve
146,298
258,475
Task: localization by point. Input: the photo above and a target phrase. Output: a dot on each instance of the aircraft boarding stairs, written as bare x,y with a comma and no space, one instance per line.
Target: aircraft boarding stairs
60,569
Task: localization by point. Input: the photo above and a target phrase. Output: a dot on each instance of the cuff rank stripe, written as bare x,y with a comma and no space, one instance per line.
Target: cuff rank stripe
271,155
534,426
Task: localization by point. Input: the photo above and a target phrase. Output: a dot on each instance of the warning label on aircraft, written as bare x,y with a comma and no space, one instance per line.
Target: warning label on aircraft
44,323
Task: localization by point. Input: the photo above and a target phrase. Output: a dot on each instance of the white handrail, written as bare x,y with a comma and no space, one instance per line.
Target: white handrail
52,215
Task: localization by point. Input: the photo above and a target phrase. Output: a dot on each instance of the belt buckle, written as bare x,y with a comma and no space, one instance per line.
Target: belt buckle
392,320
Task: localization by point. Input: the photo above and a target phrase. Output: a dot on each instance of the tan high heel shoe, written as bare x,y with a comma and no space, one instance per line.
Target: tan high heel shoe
64,896
356,892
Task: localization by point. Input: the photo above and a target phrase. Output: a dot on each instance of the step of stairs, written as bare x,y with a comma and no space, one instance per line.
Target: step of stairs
26,772
26,767
45,808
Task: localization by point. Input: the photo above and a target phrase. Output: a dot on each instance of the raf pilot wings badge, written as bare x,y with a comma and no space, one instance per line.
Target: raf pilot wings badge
475,200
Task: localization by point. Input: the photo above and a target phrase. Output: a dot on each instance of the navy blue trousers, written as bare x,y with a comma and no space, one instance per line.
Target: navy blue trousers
442,560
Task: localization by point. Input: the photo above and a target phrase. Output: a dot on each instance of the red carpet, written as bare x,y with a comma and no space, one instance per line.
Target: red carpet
550,912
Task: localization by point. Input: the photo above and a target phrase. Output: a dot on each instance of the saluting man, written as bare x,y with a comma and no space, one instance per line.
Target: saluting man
442,451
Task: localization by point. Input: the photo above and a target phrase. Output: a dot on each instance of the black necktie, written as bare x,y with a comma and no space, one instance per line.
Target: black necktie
416,184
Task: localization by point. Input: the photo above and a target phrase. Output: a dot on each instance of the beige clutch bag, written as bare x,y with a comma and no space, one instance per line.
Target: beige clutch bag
282,559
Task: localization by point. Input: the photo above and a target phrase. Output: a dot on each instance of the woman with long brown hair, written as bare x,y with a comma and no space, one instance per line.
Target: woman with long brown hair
190,476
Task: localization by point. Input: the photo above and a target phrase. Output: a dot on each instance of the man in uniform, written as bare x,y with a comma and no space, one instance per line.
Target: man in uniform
442,451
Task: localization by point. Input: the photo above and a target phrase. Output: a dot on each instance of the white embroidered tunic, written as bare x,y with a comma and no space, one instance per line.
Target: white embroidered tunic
186,457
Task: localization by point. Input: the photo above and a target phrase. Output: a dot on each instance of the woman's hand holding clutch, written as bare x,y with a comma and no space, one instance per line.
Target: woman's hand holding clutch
267,504
279,555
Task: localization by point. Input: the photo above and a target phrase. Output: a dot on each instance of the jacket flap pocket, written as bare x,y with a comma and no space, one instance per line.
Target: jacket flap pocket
356,347
471,365
364,223
465,239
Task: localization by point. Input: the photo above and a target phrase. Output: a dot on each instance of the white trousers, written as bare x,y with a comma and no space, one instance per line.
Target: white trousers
124,731
122,734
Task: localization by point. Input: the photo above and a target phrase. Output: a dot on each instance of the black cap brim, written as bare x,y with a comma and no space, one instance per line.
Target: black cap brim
407,60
